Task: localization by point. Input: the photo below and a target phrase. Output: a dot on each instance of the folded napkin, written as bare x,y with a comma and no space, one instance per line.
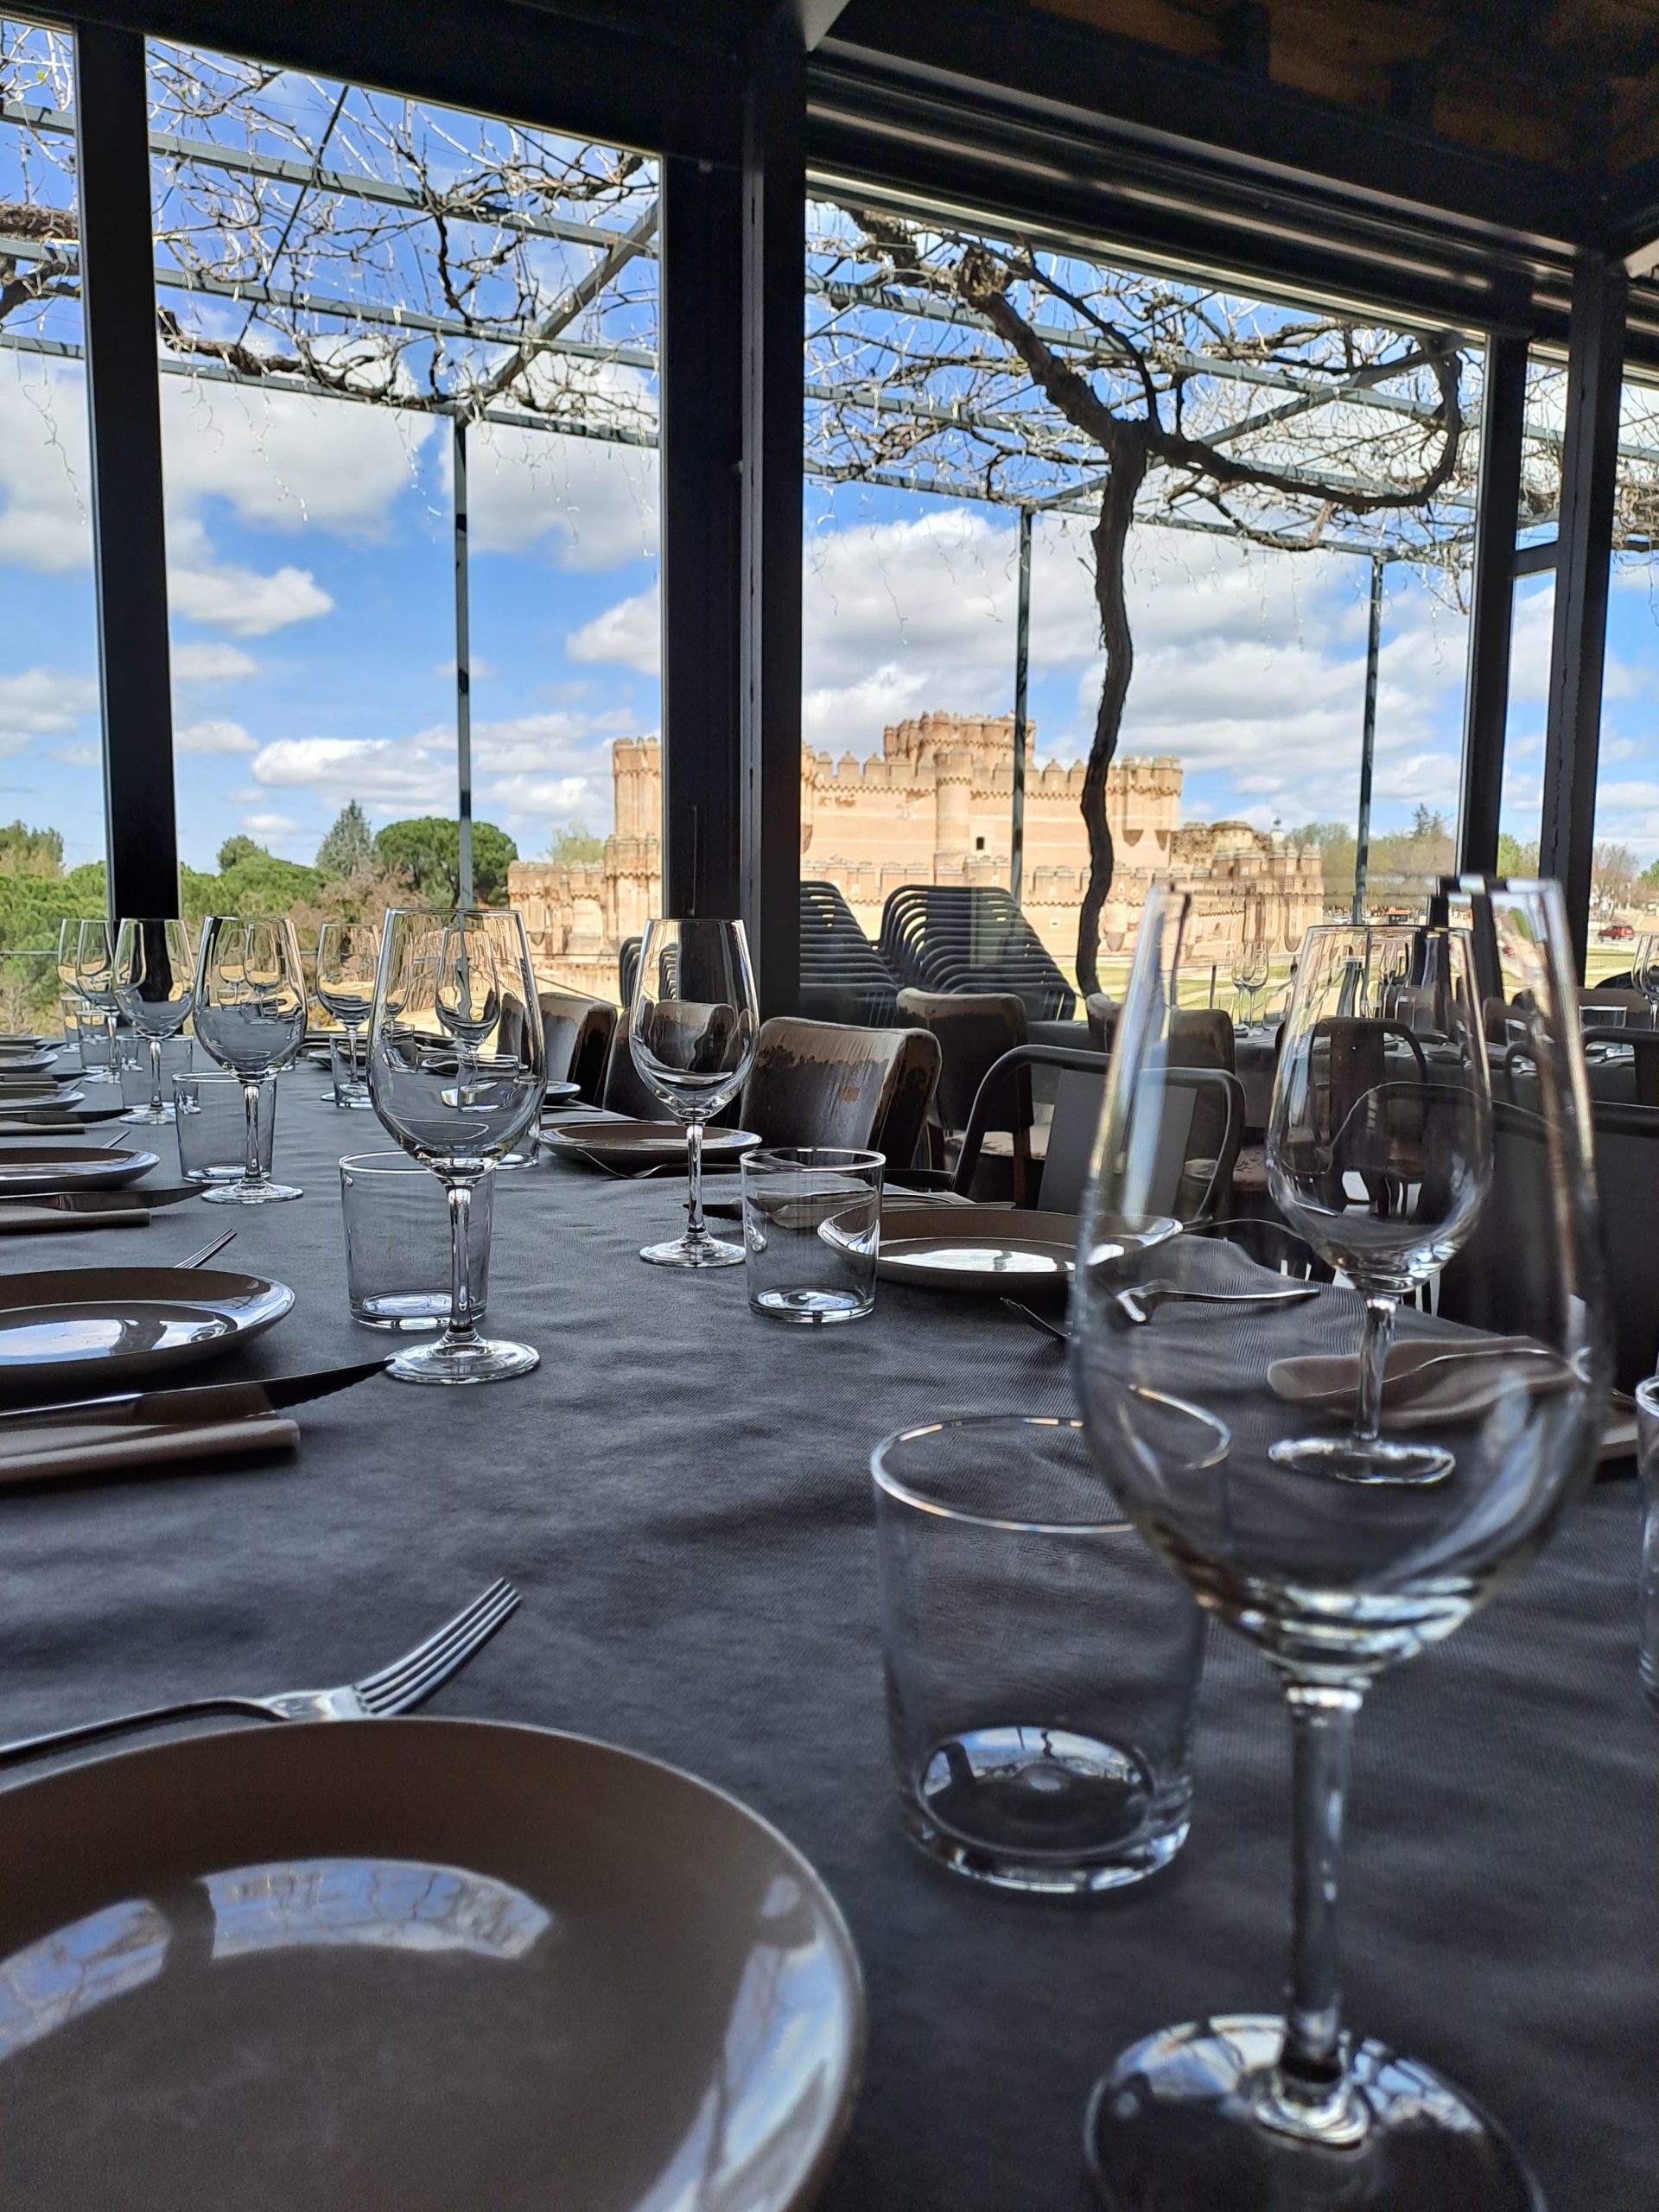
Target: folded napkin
19,1218
59,1444
1427,1381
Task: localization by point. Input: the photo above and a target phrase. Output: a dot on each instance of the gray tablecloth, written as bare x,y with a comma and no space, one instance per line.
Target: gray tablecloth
682,1492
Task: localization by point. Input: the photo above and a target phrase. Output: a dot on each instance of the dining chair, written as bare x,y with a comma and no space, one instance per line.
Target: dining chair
1193,1174
826,1083
625,1090
1101,1013
974,1029
578,1033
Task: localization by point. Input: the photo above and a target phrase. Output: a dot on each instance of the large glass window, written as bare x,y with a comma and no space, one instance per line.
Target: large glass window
1281,460
52,847
394,337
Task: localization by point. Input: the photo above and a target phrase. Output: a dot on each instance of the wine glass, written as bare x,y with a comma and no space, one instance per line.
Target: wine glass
348,959
251,1016
156,988
1380,1147
1334,1581
692,1030
92,979
456,1072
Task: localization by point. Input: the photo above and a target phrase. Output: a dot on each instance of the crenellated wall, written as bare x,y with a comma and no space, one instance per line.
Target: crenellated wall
935,806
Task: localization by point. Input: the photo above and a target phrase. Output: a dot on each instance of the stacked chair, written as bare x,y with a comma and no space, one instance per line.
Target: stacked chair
947,938
843,978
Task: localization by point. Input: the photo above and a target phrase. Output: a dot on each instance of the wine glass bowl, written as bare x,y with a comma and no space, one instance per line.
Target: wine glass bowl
154,985
348,959
250,1014
1379,1145
692,1029
1500,1373
92,978
457,1070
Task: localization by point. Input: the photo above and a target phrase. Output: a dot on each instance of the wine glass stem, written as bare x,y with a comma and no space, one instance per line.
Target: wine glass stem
1310,2093
695,1228
154,1077
251,1109
1373,1363
462,1328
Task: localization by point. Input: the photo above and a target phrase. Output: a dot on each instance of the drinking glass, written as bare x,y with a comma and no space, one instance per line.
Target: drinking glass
1334,1581
398,1243
456,1072
812,1232
92,973
211,1121
1380,1147
251,1016
348,959
692,1030
155,989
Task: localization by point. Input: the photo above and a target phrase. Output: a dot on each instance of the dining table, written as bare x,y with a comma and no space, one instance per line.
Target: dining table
681,1491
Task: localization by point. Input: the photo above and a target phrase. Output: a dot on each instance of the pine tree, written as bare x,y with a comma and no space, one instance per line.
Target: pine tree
348,846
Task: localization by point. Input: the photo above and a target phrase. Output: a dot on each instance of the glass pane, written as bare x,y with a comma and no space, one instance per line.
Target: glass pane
361,296
52,854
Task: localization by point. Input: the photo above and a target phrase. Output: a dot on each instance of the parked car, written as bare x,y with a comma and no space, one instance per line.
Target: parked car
1610,931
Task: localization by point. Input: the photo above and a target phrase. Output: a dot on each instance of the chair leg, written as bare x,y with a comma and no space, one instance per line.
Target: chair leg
1021,1164
935,1146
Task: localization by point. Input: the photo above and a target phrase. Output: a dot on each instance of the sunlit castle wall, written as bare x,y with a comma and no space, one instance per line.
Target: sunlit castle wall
935,806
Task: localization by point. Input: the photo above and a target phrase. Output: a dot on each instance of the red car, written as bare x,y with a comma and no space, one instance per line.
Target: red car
1612,930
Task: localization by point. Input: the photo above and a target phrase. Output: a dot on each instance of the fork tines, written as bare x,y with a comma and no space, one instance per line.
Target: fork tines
409,1680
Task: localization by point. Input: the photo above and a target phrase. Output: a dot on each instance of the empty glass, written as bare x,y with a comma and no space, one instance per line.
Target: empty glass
1380,1147
691,1030
1503,1383
249,1008
93,978
398,1243
348,959
154,988
812,1231
456,1072
1647,1437
1042,1665
210,1120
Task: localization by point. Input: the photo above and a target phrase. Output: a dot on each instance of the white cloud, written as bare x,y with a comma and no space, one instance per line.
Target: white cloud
210,662
390,776
627,635
42,702
78,756
269,825
44,525
245,603
596,502
213,737
282,459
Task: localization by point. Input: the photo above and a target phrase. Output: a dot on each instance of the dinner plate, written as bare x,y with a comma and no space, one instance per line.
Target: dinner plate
97,1325
413,1965
975,1249
31,1168
640,1144
17,1063
557,1093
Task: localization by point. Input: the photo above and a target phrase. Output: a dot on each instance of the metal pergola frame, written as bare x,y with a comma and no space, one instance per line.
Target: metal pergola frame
952,105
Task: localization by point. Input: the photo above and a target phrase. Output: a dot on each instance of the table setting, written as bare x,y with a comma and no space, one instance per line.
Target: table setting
714,1562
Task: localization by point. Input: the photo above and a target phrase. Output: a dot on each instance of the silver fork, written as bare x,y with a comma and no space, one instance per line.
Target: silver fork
401,1687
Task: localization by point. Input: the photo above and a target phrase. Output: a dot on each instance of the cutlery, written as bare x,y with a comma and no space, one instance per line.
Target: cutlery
1141,1300
208,1400
408,1681
1038,1321
207,1250
133,1200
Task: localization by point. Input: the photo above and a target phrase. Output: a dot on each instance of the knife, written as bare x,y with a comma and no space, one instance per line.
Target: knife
209,1401
135,1199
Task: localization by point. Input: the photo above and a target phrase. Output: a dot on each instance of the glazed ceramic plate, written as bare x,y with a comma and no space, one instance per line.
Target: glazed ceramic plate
996,1248
100,1325
560,1094
640,1144
413,1965
26,1064
34,1170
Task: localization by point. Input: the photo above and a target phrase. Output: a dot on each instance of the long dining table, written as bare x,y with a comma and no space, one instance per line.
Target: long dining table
682,1492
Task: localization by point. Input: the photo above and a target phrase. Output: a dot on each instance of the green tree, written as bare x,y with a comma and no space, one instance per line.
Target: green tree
428,851
1515,859
1427,822
239,848
24,851
575,846
348,846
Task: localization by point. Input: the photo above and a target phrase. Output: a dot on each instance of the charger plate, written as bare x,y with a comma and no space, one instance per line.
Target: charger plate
618,1143
979,1248
413,1965
100,1325
38,1169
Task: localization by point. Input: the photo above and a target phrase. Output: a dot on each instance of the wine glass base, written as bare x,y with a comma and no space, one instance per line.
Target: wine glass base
486,1359
152,1117
358,1104
1351,1460
1177,2124
682,1252
251,1194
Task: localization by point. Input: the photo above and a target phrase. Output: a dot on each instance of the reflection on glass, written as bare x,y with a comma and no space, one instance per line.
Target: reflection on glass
380,1904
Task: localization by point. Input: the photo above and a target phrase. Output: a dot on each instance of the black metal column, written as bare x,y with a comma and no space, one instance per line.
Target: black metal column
774,234
701,486
1021,672
1486,693
1368,742
129,546
1589,457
